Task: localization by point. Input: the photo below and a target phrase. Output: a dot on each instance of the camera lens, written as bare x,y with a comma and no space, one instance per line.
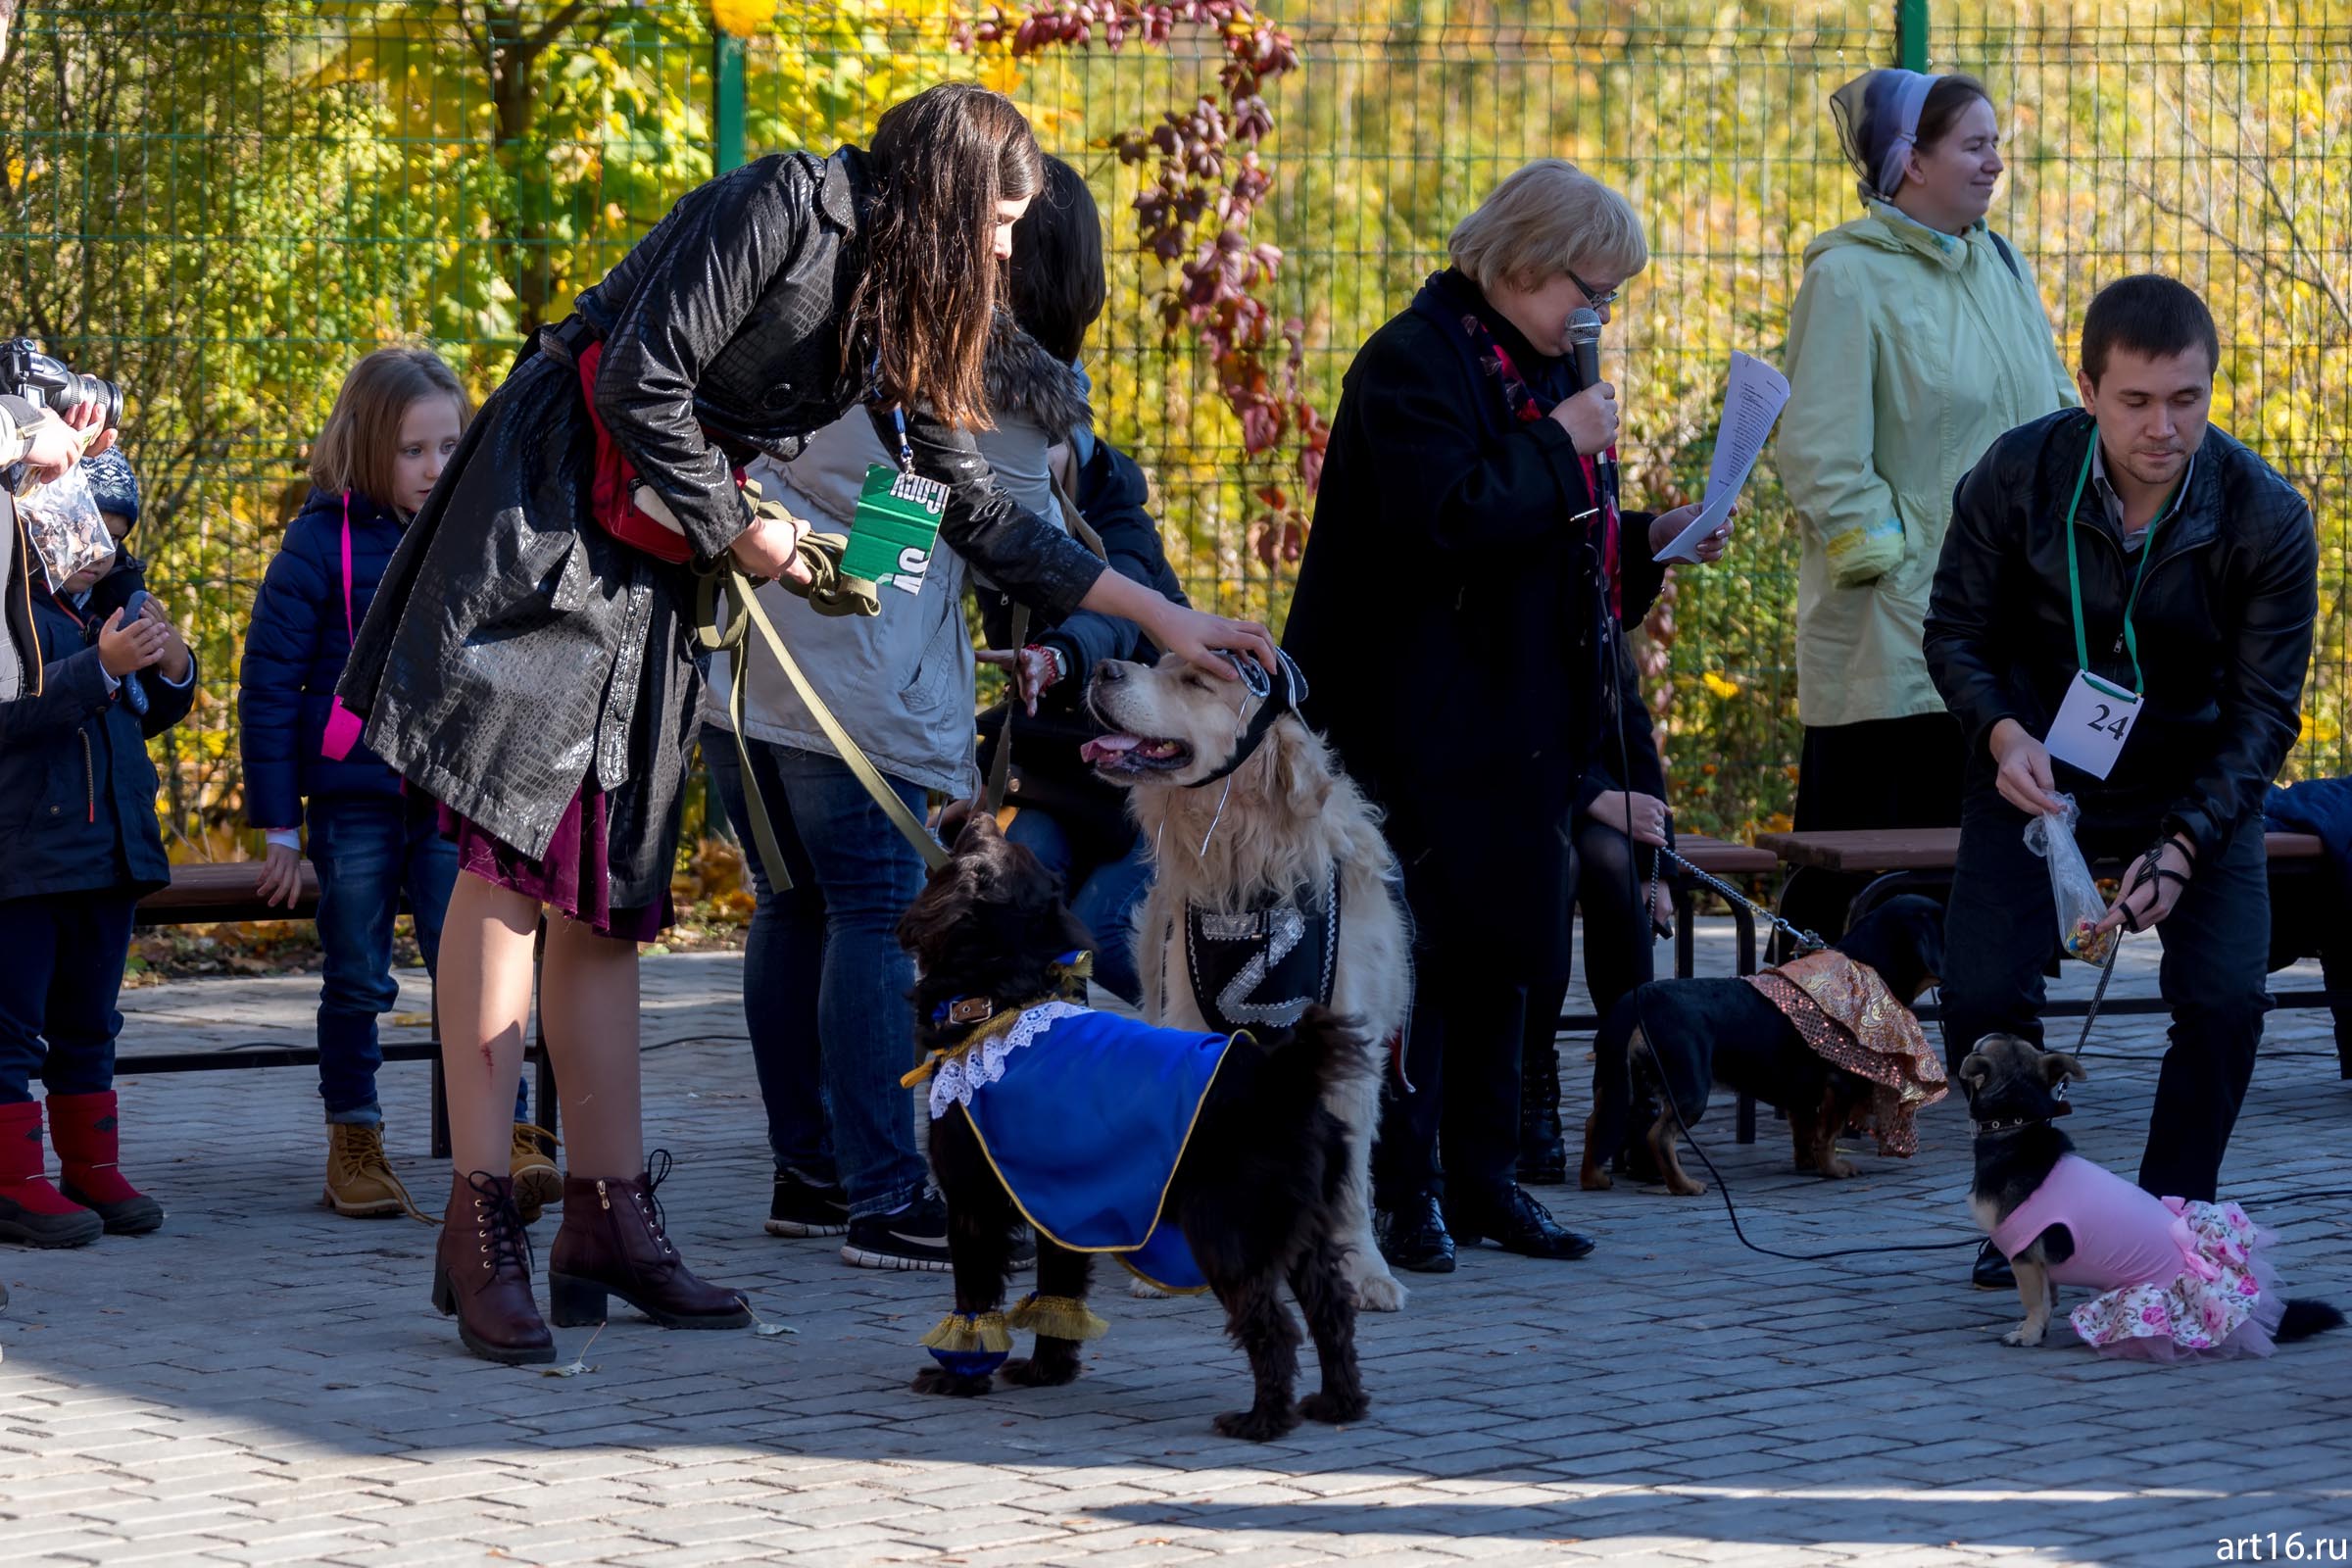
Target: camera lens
93,389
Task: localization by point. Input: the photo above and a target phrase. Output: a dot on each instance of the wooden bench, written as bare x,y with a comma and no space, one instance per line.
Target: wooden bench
1730,861
1900,861
206,895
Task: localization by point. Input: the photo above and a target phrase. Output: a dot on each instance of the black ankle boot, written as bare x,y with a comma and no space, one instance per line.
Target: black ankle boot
1543,1148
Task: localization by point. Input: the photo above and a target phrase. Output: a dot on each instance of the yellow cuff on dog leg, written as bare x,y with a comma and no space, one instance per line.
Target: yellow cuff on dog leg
966,1332
1058,1317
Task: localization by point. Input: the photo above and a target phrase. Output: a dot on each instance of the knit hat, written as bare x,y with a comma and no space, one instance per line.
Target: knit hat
113,484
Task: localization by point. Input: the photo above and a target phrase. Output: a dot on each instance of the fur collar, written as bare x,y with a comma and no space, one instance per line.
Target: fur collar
1023,378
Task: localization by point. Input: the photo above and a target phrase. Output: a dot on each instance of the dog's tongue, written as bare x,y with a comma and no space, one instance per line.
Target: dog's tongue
1107,745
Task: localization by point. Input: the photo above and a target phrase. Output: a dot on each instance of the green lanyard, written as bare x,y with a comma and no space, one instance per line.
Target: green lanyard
2073,578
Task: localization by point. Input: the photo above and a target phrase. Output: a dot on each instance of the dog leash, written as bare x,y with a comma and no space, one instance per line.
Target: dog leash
1723,1188
2150,863
1000,771
745,615
1807,940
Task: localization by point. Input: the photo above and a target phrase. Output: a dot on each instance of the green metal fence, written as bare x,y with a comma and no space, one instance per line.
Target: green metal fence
224,205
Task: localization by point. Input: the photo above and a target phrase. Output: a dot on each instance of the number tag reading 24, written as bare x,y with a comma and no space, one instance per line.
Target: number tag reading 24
2092,724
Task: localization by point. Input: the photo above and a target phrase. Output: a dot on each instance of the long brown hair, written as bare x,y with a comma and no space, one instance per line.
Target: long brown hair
362,438
944,159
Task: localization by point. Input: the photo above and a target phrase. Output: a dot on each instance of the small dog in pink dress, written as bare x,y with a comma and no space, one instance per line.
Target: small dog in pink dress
2179,1280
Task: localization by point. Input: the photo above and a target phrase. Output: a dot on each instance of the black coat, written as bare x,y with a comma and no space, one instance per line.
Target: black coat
76,785
1449,619
514,652
2223,625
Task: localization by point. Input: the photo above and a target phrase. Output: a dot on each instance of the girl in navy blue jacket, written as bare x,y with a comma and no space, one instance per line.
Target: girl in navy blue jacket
375,844
79,848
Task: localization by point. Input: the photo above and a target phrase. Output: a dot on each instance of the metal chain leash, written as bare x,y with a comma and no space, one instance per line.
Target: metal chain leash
1807,940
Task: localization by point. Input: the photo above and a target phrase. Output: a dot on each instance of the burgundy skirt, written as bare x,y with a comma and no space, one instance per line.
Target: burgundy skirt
573,877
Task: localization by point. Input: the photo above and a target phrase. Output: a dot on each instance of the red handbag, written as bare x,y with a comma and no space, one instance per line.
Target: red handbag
625,508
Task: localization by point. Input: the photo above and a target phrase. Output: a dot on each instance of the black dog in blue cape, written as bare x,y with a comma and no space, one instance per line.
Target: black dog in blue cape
1256,1170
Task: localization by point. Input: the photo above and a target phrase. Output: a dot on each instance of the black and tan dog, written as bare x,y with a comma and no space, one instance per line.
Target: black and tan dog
1678,1039
2015,1092
1255,1194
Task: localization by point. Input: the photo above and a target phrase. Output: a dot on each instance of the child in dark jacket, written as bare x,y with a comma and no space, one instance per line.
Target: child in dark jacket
1068,816
79,846
375,843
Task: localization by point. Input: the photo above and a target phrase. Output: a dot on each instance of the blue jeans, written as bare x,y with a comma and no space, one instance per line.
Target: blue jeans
1105,883
58,989
372,853
825,983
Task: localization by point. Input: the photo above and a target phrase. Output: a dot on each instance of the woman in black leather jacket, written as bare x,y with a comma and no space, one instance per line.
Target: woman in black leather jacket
533,674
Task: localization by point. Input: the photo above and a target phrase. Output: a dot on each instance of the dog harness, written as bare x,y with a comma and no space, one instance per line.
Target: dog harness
1268,965
1845,1012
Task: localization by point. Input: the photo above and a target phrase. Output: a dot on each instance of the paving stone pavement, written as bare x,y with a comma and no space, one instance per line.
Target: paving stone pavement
262,1382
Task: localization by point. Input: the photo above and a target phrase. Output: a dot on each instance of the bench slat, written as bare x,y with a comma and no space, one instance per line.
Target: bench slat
202,895
1935,849
1720,858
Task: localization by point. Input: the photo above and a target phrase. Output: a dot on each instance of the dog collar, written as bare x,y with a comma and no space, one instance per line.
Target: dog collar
2009,1125
1073,968
974,1014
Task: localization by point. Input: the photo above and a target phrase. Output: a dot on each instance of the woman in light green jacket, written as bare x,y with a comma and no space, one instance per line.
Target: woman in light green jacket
1916,338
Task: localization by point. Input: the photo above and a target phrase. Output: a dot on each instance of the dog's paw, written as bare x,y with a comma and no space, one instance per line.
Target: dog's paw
954,1385
1255,1425
1380,1292
1594,1179
1835,1169
2022,1339
1039,1372
1688,1186
1143,1291
1332,1409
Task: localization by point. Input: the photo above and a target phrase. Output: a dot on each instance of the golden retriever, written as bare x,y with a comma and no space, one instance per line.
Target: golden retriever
1286,819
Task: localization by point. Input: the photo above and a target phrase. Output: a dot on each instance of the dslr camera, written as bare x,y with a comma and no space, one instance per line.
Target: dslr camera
50,383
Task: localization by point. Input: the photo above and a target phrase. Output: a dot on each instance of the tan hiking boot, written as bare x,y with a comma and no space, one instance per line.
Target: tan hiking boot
537,1183
359,1181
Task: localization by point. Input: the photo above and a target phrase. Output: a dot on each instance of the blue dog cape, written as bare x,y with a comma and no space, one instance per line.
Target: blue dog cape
1083,1115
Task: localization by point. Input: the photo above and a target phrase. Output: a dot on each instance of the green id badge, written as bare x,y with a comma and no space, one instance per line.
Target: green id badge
894,529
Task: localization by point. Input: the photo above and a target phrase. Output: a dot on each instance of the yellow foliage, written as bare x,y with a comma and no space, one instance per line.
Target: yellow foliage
1719,685
742,18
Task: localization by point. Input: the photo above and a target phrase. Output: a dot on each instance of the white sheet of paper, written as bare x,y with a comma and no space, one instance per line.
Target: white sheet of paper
2092,726
1753,399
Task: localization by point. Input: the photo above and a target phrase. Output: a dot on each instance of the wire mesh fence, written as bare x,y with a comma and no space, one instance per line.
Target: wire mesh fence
224,205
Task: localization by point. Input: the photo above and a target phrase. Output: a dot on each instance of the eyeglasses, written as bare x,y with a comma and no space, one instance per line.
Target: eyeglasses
1593,296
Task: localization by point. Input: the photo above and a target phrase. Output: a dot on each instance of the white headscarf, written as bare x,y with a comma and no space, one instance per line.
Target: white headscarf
1878,124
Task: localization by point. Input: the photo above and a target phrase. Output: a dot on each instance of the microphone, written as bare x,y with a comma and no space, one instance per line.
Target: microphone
1584,341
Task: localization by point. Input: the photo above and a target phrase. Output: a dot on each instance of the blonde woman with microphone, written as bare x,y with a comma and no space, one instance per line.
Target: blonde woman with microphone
1453,613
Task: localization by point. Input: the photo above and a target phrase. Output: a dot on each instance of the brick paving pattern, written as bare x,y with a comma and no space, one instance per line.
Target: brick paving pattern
264,1383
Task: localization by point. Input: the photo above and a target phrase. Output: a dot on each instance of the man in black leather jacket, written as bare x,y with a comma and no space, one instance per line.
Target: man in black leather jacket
2198,570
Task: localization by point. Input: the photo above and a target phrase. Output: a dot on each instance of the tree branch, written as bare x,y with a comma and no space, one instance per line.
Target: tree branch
553,28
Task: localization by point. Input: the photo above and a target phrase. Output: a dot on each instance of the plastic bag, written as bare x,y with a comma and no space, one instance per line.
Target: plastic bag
68,533
2073,888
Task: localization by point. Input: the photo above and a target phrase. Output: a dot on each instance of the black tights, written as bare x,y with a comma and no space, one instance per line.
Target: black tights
1614,911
